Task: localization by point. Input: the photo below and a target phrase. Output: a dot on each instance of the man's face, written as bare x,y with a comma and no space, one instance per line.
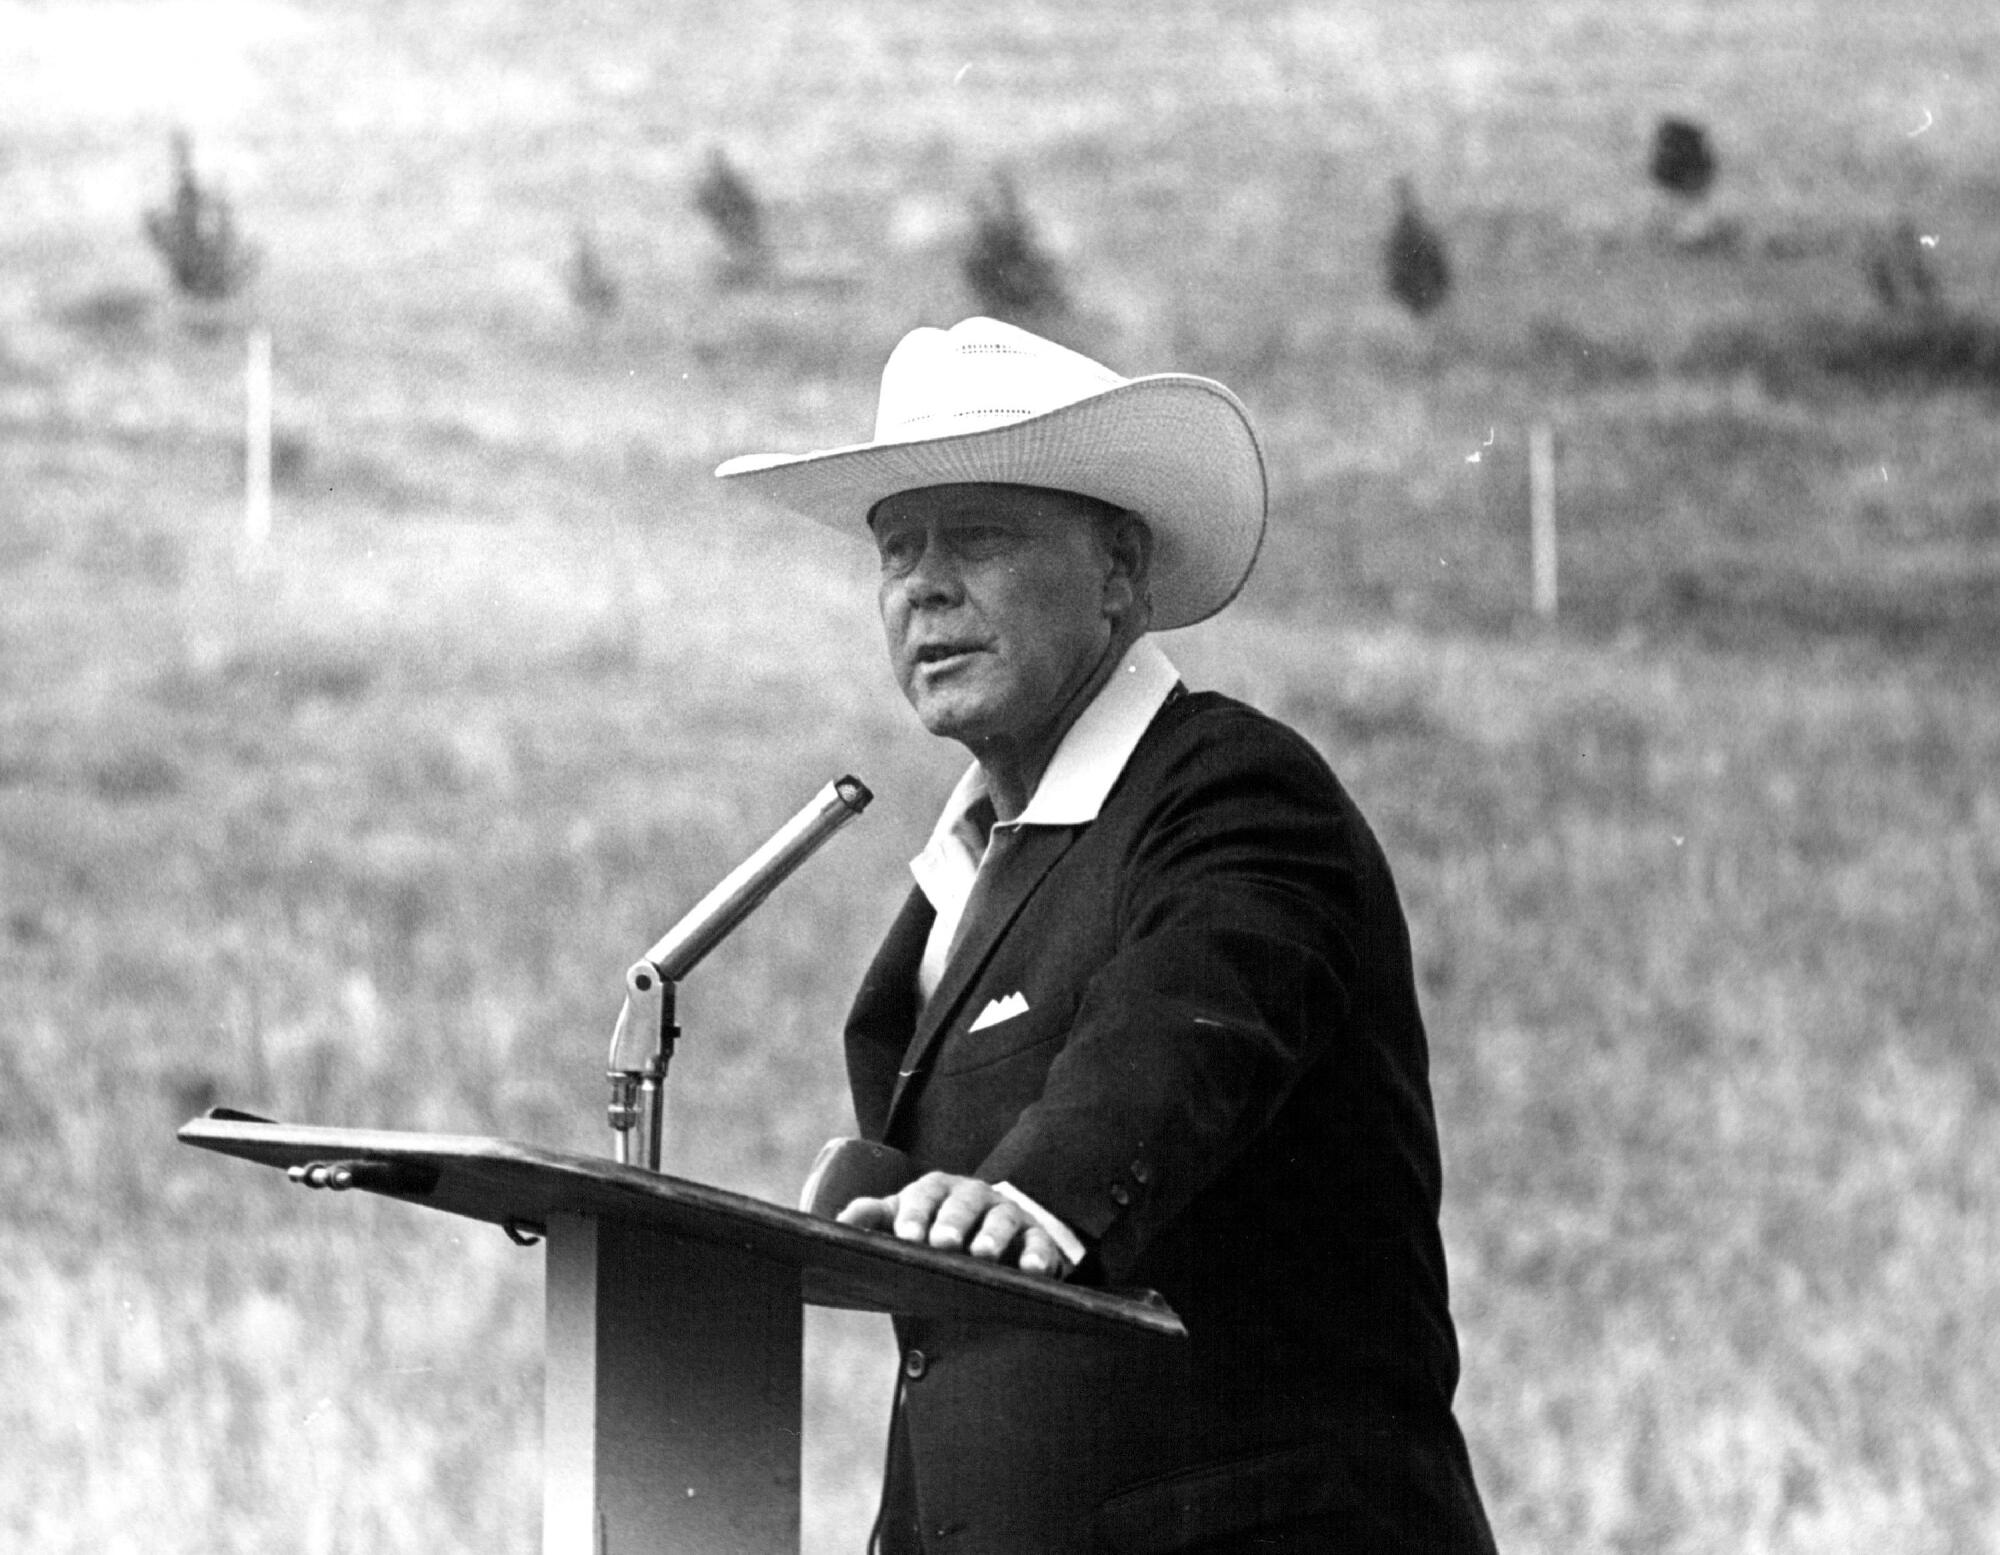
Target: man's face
994,600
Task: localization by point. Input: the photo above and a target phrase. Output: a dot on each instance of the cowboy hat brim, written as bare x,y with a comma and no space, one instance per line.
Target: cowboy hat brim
1178,450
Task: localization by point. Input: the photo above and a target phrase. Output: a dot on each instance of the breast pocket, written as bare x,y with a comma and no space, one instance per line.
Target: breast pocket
1002,1033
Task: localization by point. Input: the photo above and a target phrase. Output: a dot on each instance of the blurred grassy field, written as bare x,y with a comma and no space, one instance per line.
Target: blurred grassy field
365,829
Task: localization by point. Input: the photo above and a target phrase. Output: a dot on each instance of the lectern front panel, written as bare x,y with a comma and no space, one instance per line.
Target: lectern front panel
672,1395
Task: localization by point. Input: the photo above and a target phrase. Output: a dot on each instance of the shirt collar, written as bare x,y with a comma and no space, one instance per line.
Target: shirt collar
1095,749
1089,760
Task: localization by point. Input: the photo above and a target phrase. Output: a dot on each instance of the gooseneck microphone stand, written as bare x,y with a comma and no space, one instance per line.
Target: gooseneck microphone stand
643,1044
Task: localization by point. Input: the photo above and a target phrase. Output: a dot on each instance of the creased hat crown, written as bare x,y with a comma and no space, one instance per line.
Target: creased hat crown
939,383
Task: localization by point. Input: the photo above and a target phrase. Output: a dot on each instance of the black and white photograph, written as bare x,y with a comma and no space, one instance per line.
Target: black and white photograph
904,777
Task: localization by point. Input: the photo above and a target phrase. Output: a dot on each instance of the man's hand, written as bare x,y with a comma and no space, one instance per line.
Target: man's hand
954,1213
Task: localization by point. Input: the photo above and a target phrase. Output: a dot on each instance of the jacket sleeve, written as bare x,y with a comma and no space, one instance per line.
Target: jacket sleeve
1239,916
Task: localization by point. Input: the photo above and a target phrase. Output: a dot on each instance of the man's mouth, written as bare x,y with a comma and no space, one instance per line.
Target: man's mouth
939,655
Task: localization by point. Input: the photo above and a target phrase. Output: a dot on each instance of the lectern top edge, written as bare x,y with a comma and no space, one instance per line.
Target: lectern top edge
517,1185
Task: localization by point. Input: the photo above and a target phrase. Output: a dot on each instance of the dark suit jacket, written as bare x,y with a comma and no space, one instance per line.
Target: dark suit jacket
1221,1084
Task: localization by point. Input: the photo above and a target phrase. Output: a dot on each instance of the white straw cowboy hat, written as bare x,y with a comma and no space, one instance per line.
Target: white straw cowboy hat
986,402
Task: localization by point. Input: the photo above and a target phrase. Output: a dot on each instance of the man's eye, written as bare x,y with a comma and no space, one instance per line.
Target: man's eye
899,553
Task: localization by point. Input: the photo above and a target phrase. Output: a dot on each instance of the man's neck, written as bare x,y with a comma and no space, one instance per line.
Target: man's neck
1014,772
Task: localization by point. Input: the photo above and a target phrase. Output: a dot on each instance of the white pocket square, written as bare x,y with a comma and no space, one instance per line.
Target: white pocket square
1001,1009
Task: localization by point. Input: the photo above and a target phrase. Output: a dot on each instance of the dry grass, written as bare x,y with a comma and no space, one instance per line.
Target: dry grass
1704,886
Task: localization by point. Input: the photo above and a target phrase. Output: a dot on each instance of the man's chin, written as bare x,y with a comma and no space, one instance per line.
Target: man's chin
954,718
953,726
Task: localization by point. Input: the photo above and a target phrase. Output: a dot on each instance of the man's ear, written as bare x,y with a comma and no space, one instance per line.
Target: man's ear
1128,556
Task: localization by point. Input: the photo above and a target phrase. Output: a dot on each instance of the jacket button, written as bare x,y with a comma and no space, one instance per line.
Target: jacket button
1120,1194
915,1365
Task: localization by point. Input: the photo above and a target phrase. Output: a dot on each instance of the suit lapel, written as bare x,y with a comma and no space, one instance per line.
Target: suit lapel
884,1014
1018,871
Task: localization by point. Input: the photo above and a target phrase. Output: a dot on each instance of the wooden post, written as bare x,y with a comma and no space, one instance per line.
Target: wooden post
257,441
1542,517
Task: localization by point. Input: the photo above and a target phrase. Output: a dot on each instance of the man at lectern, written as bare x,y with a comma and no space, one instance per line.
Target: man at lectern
1148,1016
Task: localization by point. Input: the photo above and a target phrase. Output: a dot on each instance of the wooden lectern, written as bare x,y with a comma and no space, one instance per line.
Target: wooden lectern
674,1321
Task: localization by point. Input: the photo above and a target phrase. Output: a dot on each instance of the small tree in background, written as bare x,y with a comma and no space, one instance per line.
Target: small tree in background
195,235
1684,165
725,198
1683,162
1011,273
1897,262
591,284
1415,265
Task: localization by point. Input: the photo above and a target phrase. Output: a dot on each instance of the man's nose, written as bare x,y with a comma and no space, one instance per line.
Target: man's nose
934,578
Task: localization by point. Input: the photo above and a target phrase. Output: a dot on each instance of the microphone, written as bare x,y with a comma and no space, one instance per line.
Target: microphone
643,1041
744,888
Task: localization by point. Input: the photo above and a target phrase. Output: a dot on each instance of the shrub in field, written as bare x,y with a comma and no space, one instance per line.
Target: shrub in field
1011,273
1414,261
1898,265
195,235
1939,350
591,284
1683,162
117,314
1900,353
1683,165
731,206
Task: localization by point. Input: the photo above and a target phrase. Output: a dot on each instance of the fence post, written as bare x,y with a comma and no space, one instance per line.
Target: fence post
1542,517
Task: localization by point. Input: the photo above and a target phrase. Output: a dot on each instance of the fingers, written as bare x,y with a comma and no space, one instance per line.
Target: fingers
909,1213
1040,1255
960,1214
1007,1234
919,1205
972,1216
870,1214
